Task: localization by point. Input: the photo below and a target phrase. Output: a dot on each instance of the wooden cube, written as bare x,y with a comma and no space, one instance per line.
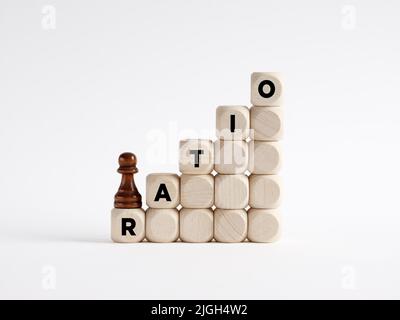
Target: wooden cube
231,157
196,225
230,225
162,190
231,191
196,156
197,191
162,225
264,225
264,157
127,225
233,122
265,191
266,123
266,89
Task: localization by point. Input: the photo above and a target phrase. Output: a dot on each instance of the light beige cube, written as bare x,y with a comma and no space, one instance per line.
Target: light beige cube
264,157
162,190
196,225
264,225
162,225
231,157
266,89
196,156
266,123
265,191
231,191
127,225
233,122
197,191
230,225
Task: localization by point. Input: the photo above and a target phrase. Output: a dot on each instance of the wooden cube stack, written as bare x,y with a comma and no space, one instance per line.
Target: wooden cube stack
162,198
265,157
231,182
196,163
229,190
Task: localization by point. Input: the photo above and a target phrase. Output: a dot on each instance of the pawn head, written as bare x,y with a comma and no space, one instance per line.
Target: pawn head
127,163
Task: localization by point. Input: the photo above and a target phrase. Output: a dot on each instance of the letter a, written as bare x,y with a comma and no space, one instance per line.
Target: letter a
162,192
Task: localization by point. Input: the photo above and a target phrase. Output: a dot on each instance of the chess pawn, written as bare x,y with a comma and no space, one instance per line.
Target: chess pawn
127,217
128,196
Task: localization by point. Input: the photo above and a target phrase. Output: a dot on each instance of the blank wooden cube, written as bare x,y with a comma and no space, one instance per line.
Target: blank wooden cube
264,157
266,89
230,225
197,191
233,122
162,190
231,191
196,225
162,225
264,225
266,123
231,157
127,225
265,191
196,156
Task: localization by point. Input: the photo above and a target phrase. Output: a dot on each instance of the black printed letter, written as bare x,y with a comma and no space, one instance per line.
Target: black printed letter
232,123
197,154
162,193
261,88
128,224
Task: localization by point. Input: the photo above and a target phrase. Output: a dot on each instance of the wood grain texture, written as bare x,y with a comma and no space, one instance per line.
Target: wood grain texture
230,225
266,89
265,191
266,123
197,191
187,156
196,225
162,190
264,157
264,225
231,191
232,122
117,216
162,225
231,157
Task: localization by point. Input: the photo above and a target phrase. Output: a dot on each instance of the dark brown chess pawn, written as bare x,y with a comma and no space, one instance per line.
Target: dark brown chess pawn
128,196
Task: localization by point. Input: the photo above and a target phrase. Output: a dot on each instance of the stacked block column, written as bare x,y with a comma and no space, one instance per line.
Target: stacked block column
127,218
162,198
265,157
231,183
196,163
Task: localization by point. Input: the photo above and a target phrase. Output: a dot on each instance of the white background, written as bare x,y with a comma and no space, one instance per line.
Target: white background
114,76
